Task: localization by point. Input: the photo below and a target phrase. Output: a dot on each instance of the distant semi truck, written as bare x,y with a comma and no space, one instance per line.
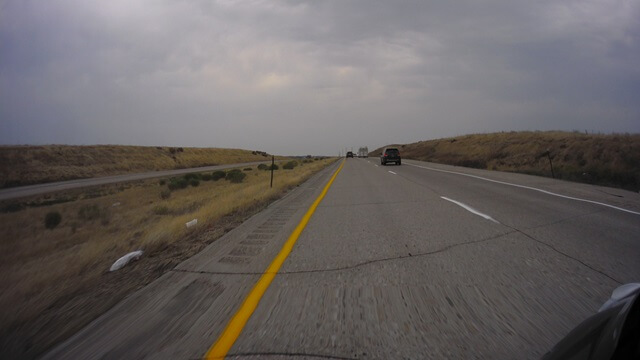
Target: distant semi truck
363,152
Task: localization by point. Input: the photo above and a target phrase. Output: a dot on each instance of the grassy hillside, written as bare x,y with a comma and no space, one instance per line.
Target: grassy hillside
611,160
25,165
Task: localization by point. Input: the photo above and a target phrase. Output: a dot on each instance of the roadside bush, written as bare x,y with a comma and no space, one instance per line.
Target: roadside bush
275,167
217,175
194,182
206,177
162,182
12,208
236,176
263,167
52,219
89,212
183,183
248,169
160,210
290,165
472,163
165,194
192,176
94,212
178,183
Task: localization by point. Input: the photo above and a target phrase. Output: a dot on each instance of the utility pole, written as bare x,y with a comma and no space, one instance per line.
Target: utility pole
273,161
553,175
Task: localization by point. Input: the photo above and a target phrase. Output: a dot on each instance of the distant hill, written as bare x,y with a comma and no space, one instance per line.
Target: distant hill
610,160
26,165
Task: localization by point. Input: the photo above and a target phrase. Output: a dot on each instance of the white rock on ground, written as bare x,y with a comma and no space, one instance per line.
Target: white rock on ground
120,263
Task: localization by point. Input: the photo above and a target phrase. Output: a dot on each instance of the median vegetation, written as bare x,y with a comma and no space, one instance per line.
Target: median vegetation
56,249
610,160
26,165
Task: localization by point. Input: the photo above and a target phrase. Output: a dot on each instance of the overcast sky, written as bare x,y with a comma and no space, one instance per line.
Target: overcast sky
313,77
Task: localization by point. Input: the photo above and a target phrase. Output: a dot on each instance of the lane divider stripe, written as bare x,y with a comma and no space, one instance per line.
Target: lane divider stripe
529,188
235,326
470,209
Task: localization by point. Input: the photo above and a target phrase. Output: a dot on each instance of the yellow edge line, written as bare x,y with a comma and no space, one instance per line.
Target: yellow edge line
230,334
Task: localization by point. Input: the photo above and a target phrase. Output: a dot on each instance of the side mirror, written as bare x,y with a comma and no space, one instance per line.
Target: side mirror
620,293
612,333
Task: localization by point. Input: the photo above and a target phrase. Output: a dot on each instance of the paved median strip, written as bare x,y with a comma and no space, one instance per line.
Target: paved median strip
470,209
235,326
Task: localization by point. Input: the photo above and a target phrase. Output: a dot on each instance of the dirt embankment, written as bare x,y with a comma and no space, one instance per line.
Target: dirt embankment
27,165
609,160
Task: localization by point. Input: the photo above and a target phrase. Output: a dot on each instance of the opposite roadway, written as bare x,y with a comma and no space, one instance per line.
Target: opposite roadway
30,190
416,261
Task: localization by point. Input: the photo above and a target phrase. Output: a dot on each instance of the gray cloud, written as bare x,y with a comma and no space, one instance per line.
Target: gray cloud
297,77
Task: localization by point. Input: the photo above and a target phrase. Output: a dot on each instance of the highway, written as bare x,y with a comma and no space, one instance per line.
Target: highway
38,189
419,261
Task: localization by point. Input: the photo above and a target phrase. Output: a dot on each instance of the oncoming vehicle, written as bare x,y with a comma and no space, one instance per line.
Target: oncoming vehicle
390,155
349,154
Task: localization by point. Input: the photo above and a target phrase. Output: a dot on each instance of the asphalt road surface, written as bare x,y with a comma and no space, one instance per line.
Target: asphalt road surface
419,261
30,190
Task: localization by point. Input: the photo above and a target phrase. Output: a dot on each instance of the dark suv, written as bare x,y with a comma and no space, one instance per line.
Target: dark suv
349,154
390,155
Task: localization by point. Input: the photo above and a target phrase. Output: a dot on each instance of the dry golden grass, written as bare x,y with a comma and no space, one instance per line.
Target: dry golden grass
24,165
611,160
44,270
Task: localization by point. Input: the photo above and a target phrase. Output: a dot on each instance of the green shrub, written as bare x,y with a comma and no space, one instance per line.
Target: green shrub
165,194
52,219
12,207
89,212
194,182
217,175
275,167
160,210
290,165
192,176
263,167
248,169
206,177
178,183
162,182
236,176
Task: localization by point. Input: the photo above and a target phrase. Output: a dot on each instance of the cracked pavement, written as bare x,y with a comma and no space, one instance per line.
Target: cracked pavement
387,269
